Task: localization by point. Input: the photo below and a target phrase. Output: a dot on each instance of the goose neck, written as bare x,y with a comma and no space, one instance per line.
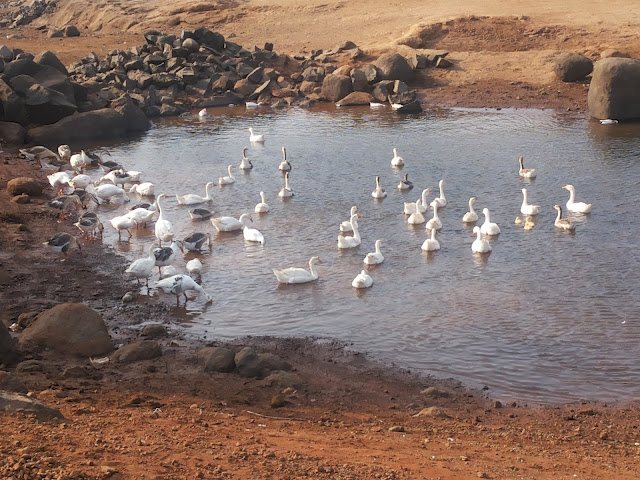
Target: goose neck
572,195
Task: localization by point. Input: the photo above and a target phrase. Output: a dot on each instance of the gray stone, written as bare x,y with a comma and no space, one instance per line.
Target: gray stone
418,61
8,351
269,362
71,31
307,87
27,185
228,98
218,359
50,59
71,328
211,39
359,80
371,72
283,379
17,403
248,363
244,87
400,87
12,133
191,45
164,80
6,54
355,98
380,92
348,45
11,383
188,75
313,74
614,91
571,67
55,33
336,87
433,412
134,118
21,199
136,64
612,52
394,66
256,75
30,366
243,69
154,330
12,105
137,351
413,107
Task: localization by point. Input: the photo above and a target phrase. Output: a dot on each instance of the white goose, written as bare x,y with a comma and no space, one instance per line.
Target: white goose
351,241
245,163
435,223
165,255
146,189
107,192
397,160
405,184
572,205
471,216
252,234
374,258
563,223
410,207
298,275
526,172
193,199
479,245
180,285
488,227
416,218
230,224
59,181
141,216
261,207
345,226
123,222
194,267
227,179
441,200
286,191
362,280
379,191
79,161
284,166
65,152
203,113
163,227
81,181
527,209
143,267
254,137
431,244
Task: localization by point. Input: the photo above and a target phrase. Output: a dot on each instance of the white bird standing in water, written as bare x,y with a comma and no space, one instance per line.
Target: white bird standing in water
254,137
180,285
245,163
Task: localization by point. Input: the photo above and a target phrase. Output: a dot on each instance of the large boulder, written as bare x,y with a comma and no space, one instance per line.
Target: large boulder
11,383
8,350
355,98
71,328
12,133
571,67
26,185
13,109
103,123
217,359
17,403
394,66
50,59
336,87
614,91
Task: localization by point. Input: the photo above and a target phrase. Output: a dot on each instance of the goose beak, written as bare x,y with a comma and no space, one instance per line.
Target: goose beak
359,216
320,261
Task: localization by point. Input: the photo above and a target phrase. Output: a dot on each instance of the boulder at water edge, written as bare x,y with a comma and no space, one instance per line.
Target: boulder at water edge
571,67
336,87
614,91
394,66
71,328
8,350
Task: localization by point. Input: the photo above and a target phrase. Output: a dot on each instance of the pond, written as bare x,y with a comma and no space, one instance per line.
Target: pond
548,316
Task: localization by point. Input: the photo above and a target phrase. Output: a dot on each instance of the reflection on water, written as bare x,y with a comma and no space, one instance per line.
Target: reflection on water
540,319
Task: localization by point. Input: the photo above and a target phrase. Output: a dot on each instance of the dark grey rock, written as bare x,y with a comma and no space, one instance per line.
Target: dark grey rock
228,98
359,80
336,87
12,133
248,363
218,359
348,45
371,72
413,107
71,31
355,98
380,92
614,92
213,40
8,351
443,63
394,66
55,33
571,67
164,80
269,362
6,54
191,45
50,59
12,105
256,75
17,403
11,383
154,330
137,351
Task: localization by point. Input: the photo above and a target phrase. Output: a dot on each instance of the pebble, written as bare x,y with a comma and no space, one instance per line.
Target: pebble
128,297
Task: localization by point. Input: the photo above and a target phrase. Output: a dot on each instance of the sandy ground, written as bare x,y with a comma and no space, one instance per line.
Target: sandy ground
349,417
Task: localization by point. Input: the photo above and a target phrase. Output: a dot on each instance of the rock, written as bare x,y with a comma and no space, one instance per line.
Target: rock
16,402
248,363
164,80
134,118
12,133
380,92
612,52
313,74
55,33
570,67
79,371
218,359
154,330
103,123
128,297
434,392
8,351
279,400
394,66
343,70
283,379
396,428
244,87
190,45
418,61
336,87
214,40
228,98
497,404
6,54
355,98
308,87
359,81
269,362
20,185
188,75
614,91
11,383
256,75
399,87
30,366
443,63
137,351
348,45
70,328
71,31
21,199
432,412
49,58
12,105
412,107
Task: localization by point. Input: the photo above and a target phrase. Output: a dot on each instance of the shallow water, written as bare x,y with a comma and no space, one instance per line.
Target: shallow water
547,317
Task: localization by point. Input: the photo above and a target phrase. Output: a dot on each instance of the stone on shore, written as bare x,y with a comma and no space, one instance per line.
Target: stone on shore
355,98
26,185
217,359
336,87
8,350
614,91
17,403
69,328
137,351
10,383
571,67
394,66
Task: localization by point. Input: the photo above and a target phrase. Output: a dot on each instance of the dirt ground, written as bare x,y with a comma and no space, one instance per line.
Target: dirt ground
349,417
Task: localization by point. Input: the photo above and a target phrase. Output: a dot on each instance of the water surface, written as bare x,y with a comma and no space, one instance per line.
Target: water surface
548,317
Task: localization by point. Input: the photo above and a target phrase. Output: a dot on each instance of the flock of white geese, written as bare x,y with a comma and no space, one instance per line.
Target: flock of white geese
76,190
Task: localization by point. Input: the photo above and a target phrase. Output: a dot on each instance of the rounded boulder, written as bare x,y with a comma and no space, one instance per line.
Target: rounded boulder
614,92
571,67
70,328
394,66
27,185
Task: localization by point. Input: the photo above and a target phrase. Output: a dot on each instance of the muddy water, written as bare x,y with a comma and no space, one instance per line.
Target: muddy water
548,316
